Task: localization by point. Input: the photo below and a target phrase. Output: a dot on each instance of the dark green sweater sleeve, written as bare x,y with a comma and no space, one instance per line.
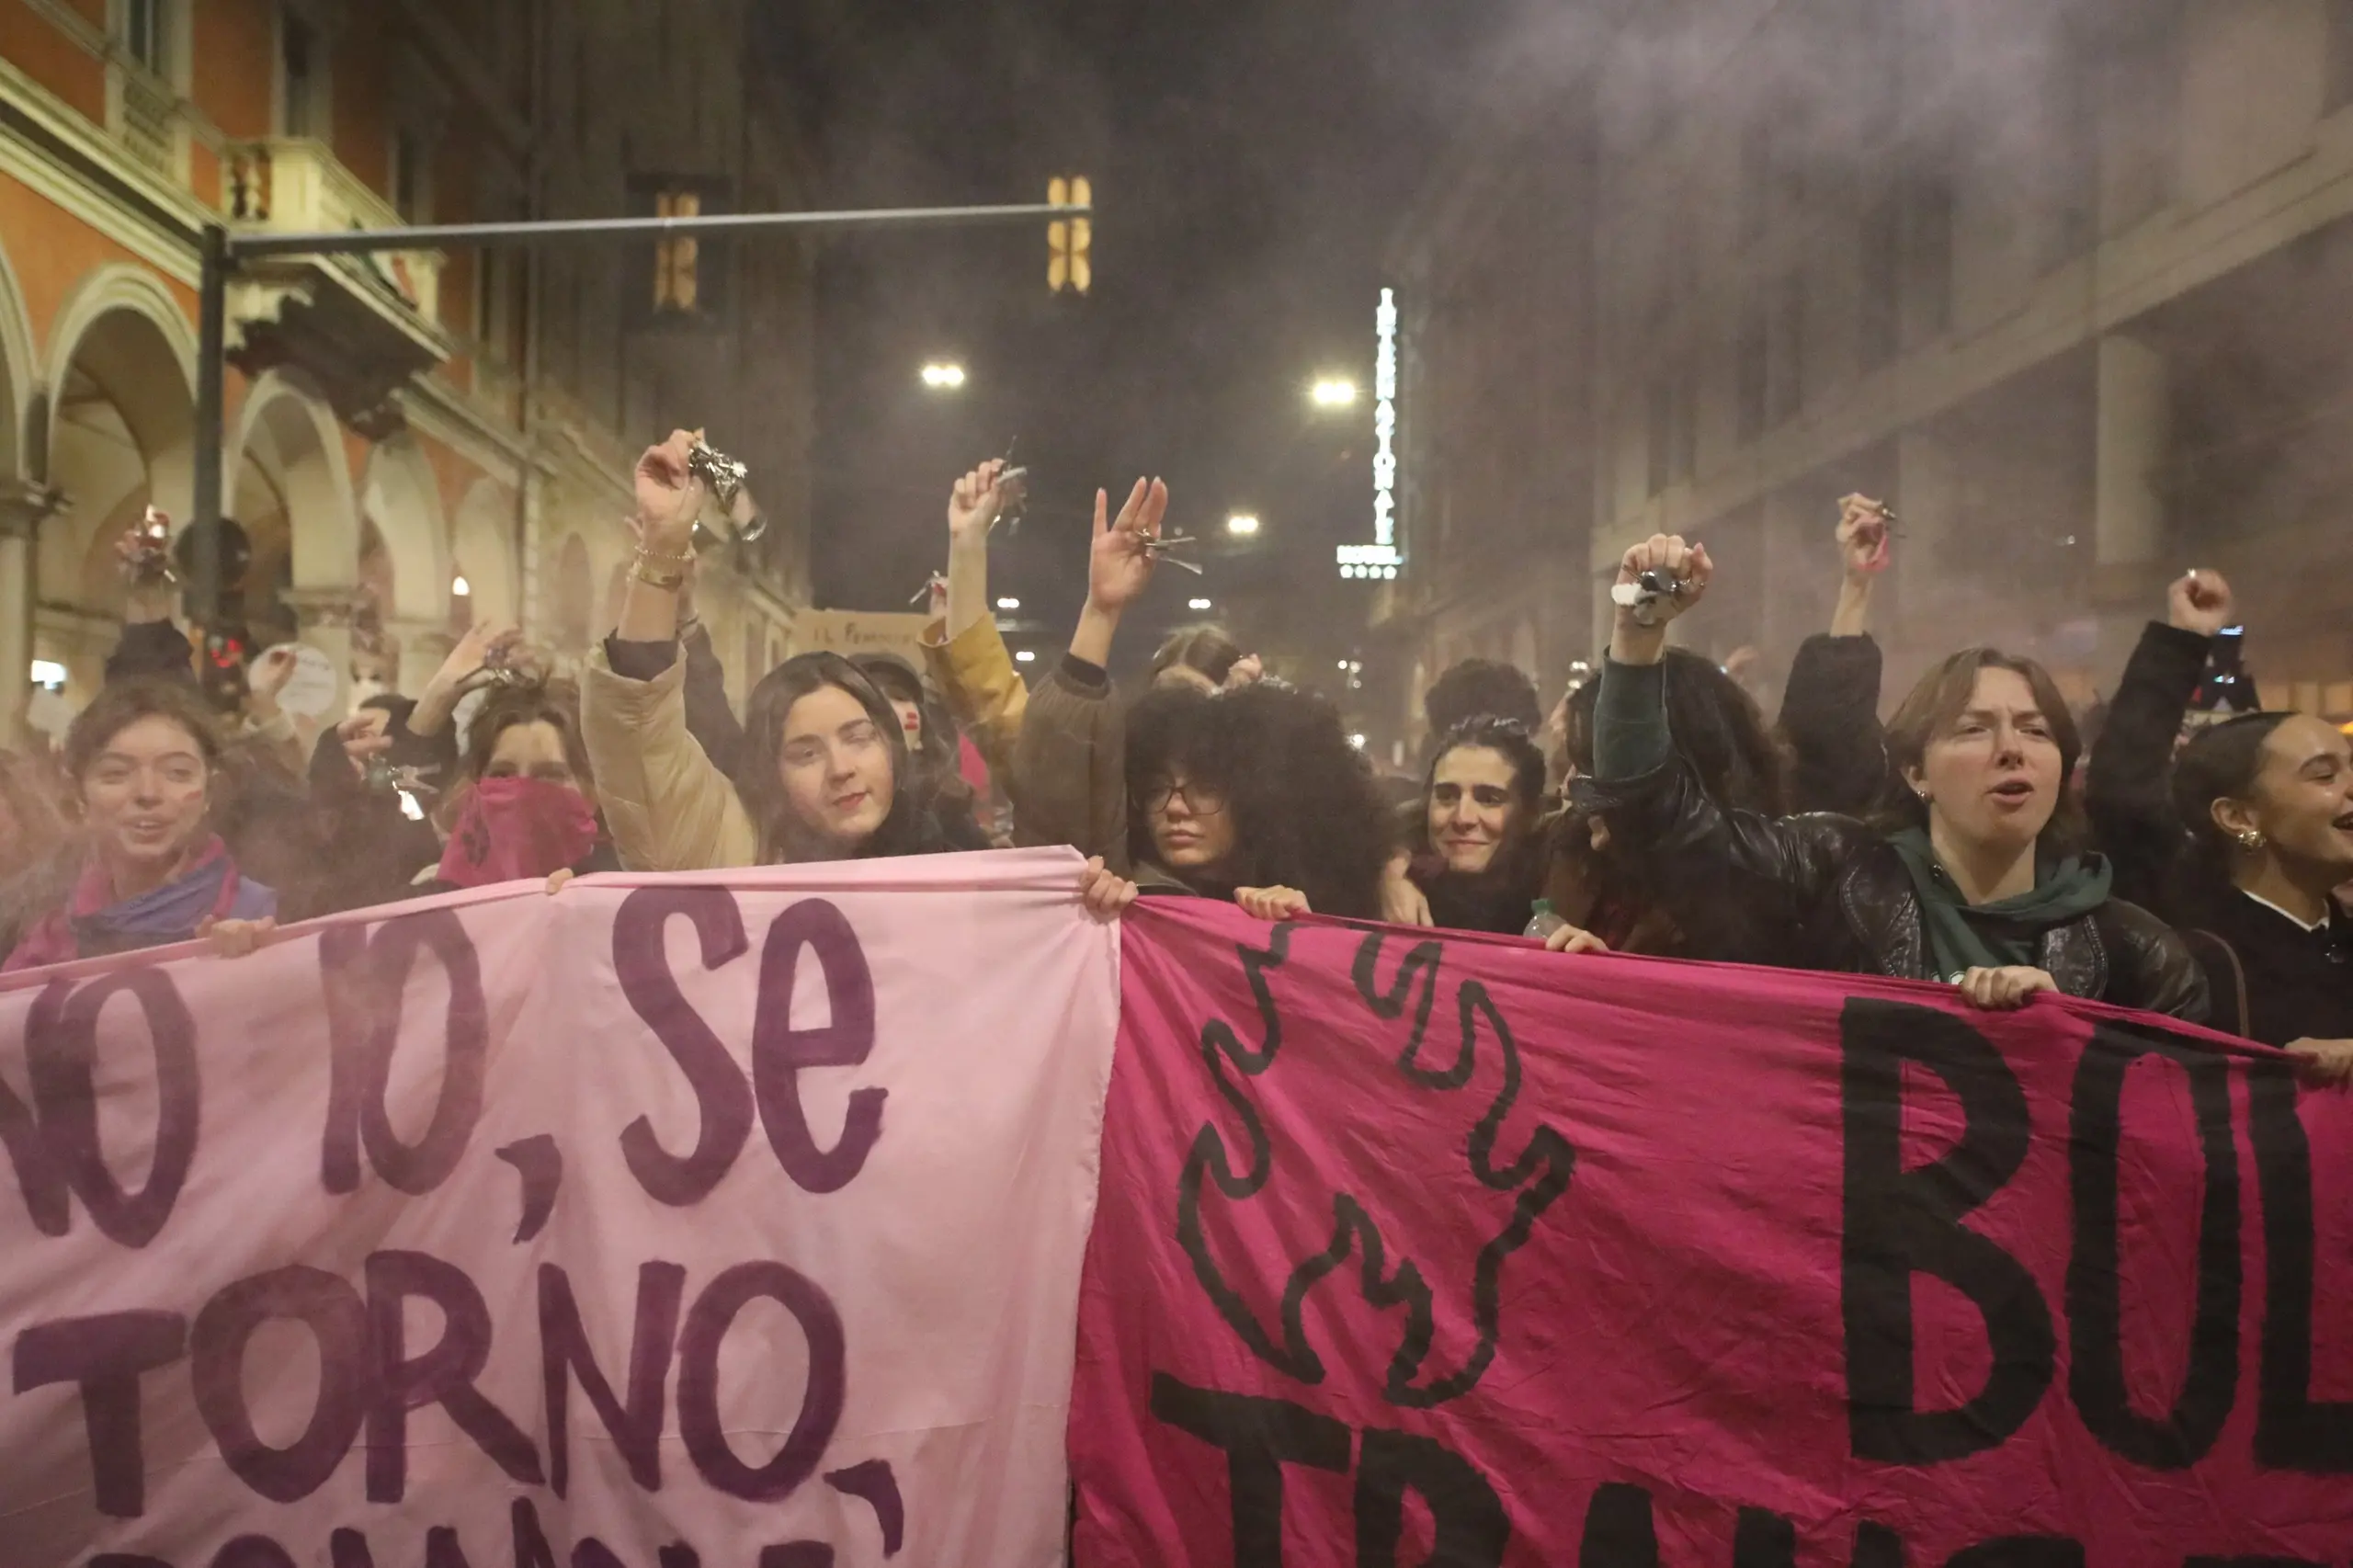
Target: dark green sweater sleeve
1630,733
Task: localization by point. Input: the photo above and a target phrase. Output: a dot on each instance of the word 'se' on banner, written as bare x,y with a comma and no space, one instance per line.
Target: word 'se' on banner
1456,1253
667,1222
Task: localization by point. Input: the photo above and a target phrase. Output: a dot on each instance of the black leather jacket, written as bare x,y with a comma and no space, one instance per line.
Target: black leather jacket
1826,892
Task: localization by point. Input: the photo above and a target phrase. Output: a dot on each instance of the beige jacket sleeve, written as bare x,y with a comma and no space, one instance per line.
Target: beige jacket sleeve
975,674
1070,769
667,807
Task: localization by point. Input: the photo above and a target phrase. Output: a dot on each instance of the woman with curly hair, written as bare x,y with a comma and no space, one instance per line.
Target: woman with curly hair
1205,657
1253,794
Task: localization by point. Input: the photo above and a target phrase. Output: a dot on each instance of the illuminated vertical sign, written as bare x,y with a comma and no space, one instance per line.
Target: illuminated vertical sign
1380,559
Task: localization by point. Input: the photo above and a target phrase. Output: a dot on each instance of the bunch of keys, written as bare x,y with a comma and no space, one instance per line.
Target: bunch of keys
147,558
1012,490
722,474
1642,595
495,669
724,477
382,778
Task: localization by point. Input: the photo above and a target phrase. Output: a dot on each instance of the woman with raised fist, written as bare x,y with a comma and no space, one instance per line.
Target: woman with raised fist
823,771
1971,874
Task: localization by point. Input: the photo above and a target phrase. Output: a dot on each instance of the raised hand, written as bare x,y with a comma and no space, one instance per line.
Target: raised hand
975,503
460,673
2201,601
270,673
1639,637
1119,562
670,497
1862,536
364,738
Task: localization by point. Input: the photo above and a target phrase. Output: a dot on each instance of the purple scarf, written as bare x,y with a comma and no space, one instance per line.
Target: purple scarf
89,926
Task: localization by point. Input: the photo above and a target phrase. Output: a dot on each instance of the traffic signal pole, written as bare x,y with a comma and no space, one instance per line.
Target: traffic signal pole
223,253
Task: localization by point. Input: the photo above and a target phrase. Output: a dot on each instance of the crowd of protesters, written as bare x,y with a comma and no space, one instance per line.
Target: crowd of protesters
2195,868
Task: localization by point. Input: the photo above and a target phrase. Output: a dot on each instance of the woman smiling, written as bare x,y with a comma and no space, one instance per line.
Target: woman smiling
142,760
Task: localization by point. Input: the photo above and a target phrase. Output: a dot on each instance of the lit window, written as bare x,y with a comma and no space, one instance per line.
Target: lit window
674,283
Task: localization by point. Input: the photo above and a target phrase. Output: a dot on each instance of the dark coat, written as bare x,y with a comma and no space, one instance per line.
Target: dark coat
1827,892
1830,721
2128,781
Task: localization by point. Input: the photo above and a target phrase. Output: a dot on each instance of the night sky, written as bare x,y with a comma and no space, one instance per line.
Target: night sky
1250,162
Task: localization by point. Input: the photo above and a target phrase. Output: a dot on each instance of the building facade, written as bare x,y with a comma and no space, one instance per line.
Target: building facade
1494,284
2061,282
413,442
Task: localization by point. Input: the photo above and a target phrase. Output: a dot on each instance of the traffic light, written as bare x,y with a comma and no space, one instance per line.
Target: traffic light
1068,265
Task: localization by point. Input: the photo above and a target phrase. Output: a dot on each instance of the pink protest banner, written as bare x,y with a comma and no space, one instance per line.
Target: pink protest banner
1459,1253
667,1222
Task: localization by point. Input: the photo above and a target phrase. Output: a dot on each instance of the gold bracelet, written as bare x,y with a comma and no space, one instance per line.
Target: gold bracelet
643,570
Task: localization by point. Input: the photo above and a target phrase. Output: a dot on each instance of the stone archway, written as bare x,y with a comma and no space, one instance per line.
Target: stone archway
293,492
120,435
482,548
400,496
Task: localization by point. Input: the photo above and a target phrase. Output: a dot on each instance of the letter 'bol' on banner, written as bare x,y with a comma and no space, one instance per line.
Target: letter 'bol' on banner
672,1224
1461,1253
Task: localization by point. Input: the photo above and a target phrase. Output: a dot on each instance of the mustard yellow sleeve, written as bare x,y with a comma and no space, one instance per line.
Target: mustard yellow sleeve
976,676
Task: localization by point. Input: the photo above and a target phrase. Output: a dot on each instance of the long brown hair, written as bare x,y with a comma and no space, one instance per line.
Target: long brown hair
123,704
554,702
907,830
1942,696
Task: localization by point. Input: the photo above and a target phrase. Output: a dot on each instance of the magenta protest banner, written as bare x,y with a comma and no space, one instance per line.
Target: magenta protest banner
1456,1253
662,1224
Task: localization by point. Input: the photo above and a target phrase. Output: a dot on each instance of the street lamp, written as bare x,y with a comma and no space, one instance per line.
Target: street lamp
1242,525
943,376
1333,391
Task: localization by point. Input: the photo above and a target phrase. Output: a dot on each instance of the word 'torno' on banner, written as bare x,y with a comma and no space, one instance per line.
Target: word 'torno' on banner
662,1222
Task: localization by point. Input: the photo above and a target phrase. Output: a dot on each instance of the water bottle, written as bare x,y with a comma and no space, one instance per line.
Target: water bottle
1543,922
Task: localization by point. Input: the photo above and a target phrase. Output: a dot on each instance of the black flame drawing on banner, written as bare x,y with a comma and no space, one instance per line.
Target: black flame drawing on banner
1538,1176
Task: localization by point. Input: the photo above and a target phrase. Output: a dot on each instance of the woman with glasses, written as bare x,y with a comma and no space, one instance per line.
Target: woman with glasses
1253,794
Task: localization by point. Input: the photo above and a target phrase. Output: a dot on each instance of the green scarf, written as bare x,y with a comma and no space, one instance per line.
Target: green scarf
2007,932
